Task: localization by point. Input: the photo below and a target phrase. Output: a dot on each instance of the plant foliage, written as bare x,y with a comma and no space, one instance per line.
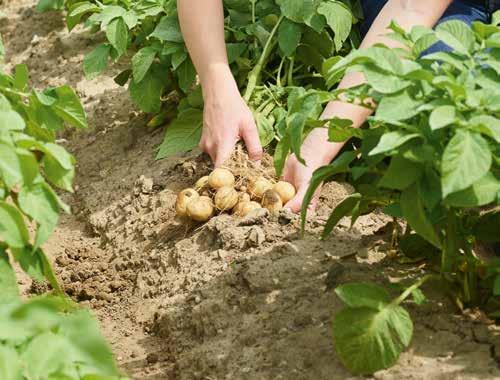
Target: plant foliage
45,337
276,49
431,155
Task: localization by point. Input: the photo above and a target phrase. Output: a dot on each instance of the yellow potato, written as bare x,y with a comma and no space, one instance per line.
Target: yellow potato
220,178
183,199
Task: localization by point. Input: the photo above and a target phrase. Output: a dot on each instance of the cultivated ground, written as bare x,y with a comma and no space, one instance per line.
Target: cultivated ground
232,299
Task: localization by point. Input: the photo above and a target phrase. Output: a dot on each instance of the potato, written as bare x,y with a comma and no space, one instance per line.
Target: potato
185,197
244,208
258,186
243,197
220,178
285,190
272,201
226,198
202,183
200,209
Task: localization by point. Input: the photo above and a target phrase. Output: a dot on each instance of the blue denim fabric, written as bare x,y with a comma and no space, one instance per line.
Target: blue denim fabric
464,10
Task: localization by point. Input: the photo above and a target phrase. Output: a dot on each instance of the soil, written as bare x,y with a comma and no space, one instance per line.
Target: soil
232,299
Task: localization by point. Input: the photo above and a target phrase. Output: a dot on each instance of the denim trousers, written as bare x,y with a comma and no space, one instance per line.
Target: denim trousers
463,10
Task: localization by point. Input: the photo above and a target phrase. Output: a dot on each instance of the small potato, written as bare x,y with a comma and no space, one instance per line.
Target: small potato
272,201
220,178
285,190
226,198
244,208
185,197
201,184
243,197
201,209
258,186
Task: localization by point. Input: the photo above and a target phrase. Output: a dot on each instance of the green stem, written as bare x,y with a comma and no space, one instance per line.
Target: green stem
14,92
416,285
290,72
254,75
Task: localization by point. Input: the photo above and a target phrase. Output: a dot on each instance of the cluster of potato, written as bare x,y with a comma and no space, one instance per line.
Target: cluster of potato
218,192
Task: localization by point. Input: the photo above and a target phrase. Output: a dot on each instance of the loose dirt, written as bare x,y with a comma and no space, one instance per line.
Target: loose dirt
235,298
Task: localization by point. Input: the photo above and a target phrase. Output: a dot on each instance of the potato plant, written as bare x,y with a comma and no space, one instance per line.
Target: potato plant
429,155
276,49
48,336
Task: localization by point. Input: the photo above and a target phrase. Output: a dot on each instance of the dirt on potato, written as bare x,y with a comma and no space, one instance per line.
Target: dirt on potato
236,298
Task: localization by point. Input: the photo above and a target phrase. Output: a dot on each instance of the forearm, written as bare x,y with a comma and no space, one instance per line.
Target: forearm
202,25
407,13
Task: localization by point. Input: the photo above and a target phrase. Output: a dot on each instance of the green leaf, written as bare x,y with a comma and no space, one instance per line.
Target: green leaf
117,34
363,295
265,128
344,208
297,10
141,62
401,174
397,107
59,166
457,35
12,228
168,29
368,340
69,108
187,75
339,19
8,284
496,286
183,134
281,154
487,125
486,228
10,365
47,354
415,215
481,193
392,140
442,117
96,61
146,94
49,5
76,12
41,204
383,82
466,159
17,166
87,345
289,35
21,76
11,120
339,165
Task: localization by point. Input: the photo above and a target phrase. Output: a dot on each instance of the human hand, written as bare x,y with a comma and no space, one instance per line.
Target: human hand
226,119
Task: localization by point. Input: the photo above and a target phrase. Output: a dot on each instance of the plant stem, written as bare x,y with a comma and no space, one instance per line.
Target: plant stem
416,285
290,72
254,75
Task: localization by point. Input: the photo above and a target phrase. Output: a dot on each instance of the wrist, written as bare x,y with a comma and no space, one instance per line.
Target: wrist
217,79
317,150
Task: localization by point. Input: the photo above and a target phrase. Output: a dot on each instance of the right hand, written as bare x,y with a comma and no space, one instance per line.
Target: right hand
226,118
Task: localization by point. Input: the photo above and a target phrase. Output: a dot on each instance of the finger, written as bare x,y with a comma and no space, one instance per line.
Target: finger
250,135
207,148
223,153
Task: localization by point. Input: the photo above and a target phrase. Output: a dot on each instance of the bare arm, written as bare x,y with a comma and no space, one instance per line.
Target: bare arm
317,150
227,118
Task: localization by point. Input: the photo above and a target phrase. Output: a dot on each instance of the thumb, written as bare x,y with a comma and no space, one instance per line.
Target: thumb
295,204
250,135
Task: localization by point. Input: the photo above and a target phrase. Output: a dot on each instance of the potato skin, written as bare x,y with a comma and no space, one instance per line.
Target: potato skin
183,199
258,186
221,177
201,209
244,208
226,198
285,190
272,201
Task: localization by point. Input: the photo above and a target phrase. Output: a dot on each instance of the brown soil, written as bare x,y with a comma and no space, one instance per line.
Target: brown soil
233,299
